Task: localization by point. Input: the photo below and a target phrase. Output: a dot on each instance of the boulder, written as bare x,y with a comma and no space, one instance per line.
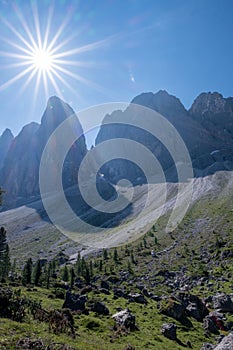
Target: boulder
169,330
223,302
207,346
104,284
28,343
219,319
155,297
172,308
210,326
137,298
125,318
104,291
194,305
226,343
85,290
100,308
119,293
75,302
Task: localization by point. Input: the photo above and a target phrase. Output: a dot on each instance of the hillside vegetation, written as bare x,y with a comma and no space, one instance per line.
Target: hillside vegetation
160,278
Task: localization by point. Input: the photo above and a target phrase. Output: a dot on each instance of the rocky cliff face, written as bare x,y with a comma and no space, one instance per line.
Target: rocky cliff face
215,114
202,128
207,130
5,141
19,170
20,173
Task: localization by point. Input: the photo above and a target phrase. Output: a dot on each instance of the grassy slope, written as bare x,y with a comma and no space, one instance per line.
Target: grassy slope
207,222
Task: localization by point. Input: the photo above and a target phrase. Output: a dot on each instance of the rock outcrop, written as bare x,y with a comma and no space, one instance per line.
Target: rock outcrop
226,343
5,142
20,173
169,330
125,318
75,302
206,129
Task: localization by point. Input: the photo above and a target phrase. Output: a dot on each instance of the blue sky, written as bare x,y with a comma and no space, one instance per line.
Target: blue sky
183,46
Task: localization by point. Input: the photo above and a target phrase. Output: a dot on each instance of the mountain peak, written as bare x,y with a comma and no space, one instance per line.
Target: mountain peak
7,133
55,113
208,102
5,142
53,100
30,129
161,102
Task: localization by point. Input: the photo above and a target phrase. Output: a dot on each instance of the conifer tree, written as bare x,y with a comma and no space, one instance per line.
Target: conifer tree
91,268
37,273
27,273
115,255
101,265
72,277
4,255
105,254
65,274
78,264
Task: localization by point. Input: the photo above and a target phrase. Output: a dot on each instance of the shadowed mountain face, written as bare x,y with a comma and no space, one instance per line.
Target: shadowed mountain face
5,141
20,172
207,130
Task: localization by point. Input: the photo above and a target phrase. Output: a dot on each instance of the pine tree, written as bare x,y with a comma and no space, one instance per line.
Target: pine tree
13,268
48,275
65,274
129,267
7,262
91,268
27,273
87,275
115,255
105,254
78,264
4,255
101,265
37,273
72,277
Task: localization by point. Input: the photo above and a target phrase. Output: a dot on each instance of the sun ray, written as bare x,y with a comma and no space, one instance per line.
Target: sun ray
37,23
13,55
25,26
45,81
58,33
26,43
15,78
80,78
15,65
75,63
64,82
38,79
47,30
13,44
89,47
58,91
27,82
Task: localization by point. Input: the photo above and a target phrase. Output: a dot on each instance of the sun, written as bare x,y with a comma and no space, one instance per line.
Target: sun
43,57
42,60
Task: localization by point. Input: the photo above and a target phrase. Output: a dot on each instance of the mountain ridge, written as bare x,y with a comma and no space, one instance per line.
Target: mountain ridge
202,136
203,133
20,171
